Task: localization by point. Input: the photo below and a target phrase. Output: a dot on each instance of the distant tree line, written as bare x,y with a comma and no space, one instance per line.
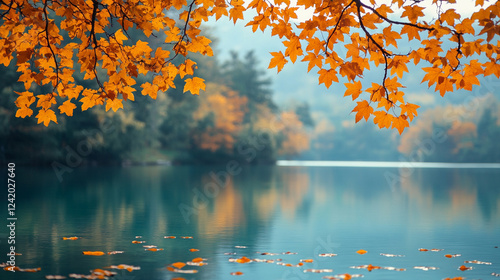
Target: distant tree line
235,118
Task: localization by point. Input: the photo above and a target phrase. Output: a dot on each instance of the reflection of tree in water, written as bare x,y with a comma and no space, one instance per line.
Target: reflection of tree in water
460,193
109,206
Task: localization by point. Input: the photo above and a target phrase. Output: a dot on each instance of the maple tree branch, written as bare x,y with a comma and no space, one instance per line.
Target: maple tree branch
184,32
395,22
10,8
92,22
370,38
78,8
47,35
337,25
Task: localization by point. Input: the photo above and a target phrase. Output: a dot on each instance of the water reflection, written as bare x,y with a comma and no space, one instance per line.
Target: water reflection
266,208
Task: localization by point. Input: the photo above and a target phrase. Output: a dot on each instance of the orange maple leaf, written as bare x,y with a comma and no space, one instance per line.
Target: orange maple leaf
278,61
412,13
46,116
400,123
353,89
363,109
409,109
67,108
114,104
194,85
327,77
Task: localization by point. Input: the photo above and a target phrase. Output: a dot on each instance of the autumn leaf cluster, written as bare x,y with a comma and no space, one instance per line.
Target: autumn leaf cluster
53,41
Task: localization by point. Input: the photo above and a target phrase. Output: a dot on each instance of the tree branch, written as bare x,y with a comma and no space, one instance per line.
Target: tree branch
337,25
370,38
47,35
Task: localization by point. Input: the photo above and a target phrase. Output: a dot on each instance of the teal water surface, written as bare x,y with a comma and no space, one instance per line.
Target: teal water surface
259,209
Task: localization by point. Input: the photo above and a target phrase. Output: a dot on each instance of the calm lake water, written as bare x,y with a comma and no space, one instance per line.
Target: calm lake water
260,209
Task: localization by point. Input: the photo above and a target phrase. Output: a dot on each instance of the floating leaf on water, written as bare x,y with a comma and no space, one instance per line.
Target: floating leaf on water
390,255
313,270
327,255
289,264
368,267
195,260
236,273
243,260
130,268
78,276
138,241
30,269
11,268
194,250
93,253
115,252
178,265
464,268
478,262
169,237
149,246
57,277
452,256
154,249
345,276
196,263
426,268
361,252
269,254
189,271
70,238
263,260
102,272
393,268
372,267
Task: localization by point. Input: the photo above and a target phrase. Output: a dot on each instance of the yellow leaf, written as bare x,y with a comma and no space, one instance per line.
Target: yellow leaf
178,4
120,37
46,116
23,111
93,253
67,108
114,104
194,85
409,109
149,89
